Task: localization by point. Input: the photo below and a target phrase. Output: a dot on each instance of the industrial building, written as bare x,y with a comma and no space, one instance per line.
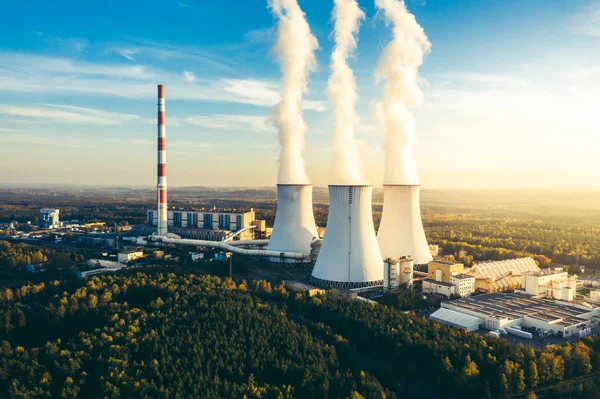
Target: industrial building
464,284
129,255
98,266
501,275
438,287
298,286
499,310
211,224
350,257
49,218
443,270
551,284
401,229
397,273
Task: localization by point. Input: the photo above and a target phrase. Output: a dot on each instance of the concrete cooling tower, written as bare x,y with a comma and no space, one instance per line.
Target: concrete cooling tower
401,230
294,229
350,256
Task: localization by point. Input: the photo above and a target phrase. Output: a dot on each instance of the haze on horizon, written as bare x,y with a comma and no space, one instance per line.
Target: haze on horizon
510,93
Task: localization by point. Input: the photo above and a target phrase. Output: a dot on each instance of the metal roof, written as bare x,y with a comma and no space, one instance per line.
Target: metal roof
455,318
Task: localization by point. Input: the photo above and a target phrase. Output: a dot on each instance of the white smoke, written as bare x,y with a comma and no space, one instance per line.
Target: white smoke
342,92
398,68
295,49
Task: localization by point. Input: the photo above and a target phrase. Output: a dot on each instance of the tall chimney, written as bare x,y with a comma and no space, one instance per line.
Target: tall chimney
161,186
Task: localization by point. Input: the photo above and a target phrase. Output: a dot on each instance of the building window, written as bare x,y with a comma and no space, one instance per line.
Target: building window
208,220
177,219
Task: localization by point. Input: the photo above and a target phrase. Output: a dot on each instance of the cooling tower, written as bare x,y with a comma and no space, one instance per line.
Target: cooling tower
294,227
161,184
401,230
350,256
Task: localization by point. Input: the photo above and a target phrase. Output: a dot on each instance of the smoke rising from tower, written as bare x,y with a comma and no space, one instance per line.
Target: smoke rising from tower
342,92
398,68
295,49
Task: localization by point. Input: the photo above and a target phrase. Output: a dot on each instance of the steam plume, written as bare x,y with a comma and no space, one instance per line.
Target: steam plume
342,92
295,49
398,67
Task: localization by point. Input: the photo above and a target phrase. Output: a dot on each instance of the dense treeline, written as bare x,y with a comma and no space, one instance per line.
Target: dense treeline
503,239
155,334
167,336
16,257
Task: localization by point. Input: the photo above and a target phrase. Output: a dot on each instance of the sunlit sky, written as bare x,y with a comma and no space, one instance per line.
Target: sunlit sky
512,92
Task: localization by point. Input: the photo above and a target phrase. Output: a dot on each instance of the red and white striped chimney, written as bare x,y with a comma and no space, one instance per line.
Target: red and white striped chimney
161,187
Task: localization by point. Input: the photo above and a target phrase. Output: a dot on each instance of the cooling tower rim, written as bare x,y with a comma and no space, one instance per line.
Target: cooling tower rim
294,185
401,185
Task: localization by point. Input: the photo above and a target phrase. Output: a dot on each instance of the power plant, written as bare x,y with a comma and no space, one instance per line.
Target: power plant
350,257
161,184
401,229
294,229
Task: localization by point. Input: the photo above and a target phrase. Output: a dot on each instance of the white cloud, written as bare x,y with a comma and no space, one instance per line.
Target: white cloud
39,74
126,53
16,65
164,52
68,114
486,79
231,122
185,5
32,140
189,76
586,21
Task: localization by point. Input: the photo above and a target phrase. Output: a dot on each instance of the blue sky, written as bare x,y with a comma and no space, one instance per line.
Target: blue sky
511,87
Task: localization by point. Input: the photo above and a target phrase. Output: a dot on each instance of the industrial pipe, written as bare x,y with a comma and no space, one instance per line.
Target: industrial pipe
233,249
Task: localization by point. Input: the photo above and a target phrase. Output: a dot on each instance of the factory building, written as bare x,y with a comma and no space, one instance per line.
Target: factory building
211,224
500,310
129,256
464,284
98,266
49,218
501,275
442,270
551,284
438,287
397,273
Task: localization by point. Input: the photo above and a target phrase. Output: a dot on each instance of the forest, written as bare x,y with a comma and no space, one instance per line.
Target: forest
163,332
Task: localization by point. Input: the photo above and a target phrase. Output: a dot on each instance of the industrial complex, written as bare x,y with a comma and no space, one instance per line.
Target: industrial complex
354,260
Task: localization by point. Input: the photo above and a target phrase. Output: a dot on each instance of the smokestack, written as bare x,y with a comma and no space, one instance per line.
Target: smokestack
350,256
294,228
161,186
401,229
